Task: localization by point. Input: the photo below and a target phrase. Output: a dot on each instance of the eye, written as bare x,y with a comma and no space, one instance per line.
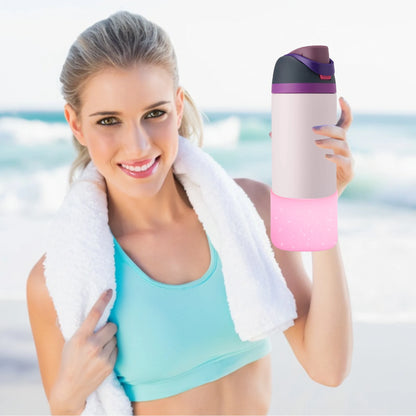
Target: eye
155,114
108,121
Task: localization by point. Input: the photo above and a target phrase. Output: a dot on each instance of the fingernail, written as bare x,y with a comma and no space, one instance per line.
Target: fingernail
319,141
318,127
108,294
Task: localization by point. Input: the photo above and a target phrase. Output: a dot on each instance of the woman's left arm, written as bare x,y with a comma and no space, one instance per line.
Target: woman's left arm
327,330
321,337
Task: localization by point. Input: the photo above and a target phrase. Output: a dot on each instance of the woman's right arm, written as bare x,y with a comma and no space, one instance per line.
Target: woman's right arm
70,370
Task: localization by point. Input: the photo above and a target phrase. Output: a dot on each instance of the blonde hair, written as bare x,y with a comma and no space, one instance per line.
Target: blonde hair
121,41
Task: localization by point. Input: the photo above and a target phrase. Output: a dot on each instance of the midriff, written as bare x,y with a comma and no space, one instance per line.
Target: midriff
246,391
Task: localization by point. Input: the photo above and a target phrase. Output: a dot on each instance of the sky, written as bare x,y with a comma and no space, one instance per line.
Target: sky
226,49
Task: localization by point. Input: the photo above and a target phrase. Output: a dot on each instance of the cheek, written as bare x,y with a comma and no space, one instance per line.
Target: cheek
166,134
99,144
173,144
166,127
166,139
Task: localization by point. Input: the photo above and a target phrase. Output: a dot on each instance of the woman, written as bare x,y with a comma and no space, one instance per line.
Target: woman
125,109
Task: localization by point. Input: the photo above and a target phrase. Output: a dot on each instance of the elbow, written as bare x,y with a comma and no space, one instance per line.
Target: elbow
330,381
330,378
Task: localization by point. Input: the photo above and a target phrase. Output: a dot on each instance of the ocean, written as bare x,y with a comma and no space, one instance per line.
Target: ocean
376,215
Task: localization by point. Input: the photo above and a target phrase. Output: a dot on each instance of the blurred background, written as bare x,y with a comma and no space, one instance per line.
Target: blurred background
226,53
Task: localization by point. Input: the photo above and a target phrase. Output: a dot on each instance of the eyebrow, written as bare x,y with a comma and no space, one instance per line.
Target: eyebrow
117,113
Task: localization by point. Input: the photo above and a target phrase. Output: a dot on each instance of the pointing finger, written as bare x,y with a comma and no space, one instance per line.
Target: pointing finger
95,313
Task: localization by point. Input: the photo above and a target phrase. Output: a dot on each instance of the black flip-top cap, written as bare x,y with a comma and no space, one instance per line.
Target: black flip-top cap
309,64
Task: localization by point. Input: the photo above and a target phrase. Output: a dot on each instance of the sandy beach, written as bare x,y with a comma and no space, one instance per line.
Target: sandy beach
381,381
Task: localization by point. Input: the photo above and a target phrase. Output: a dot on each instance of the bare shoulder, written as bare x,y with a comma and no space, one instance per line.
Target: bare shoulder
35,284
47,336
37,295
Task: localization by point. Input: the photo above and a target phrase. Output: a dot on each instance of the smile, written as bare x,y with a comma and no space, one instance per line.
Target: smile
141,171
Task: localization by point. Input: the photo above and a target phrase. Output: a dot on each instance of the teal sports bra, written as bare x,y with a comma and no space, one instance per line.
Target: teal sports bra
172,338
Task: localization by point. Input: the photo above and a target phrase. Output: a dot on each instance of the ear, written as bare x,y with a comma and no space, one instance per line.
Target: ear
74,123
180,98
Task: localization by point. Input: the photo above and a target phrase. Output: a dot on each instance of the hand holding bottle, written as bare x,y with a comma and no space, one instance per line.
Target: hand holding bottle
336,140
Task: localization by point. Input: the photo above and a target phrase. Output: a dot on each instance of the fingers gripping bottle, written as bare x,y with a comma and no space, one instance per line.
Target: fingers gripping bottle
304,194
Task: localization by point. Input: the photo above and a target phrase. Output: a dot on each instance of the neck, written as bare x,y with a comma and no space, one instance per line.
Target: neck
127,214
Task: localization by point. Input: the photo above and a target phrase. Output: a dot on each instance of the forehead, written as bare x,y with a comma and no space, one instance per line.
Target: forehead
117,88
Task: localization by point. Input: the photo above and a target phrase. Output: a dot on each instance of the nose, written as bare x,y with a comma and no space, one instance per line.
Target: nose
138,139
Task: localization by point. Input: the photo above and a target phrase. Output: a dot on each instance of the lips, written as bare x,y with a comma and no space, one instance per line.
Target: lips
140,169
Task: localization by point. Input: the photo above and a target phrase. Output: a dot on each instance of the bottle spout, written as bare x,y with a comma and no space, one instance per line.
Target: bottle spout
317,53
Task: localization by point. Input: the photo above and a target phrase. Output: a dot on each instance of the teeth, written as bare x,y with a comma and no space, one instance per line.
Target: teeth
139,168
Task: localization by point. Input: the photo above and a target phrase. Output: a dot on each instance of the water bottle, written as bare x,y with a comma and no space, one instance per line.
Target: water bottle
304,194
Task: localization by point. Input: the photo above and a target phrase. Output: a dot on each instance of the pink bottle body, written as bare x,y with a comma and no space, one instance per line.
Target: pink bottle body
304,194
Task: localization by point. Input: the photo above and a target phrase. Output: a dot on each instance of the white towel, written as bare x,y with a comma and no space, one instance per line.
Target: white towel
79,262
